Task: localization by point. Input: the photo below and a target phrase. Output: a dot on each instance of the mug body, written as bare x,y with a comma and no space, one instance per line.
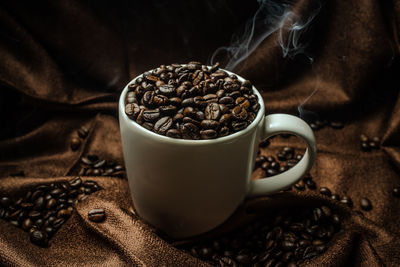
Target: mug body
187,187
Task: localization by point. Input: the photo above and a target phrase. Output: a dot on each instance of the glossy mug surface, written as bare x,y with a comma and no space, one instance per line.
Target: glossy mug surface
187,187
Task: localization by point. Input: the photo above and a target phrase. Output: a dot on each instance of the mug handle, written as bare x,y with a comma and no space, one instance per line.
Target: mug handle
282,123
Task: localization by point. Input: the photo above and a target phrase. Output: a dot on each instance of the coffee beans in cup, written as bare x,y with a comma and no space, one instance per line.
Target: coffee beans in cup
191,101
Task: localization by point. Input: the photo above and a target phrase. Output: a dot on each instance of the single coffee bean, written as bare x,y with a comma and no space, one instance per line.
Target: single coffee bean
238,125
365,204
336,124
311,184
174,133
83,132
373,145
75,143
208,134
209,124
5,202
76,182
190,131
346,200
151,115
97,215
364,138
365,147
39,238
325,191
64,213
167,110
335,197
212,111
27,224
39,203
58,222
163,125
396,191
300,185
51,203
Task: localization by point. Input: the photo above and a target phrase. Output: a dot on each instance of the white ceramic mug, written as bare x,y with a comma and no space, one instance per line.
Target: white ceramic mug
187,187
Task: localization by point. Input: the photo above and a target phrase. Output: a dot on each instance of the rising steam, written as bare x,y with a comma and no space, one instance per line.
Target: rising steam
272,16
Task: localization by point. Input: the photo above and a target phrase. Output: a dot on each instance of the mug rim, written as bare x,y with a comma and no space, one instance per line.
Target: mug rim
181,141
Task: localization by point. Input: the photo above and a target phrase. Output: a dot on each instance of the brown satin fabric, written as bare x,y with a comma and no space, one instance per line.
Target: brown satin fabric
63,64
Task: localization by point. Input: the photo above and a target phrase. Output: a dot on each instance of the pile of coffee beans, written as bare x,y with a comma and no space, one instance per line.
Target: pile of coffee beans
43,210
76,141
191,101
368,144
93,165
284,238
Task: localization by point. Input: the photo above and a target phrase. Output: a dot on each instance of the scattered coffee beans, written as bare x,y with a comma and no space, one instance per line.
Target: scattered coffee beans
43,210
285,238
97,215
191,101
92,165
367,144
317,124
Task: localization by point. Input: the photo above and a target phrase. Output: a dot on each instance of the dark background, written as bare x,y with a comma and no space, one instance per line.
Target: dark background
63,64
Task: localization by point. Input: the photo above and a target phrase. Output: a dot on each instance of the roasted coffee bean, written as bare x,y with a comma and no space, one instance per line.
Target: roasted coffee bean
39,238
224,131
205,252
58,222
209,124
51,203
238,125
300,185
208,134
373,145
188,102
5,202
167,110
163,125
212,111
76,182
311,184
83,132
336,124
364,138
365,204
132,110
63,213
325,191
151,115
365,147
335,197
97,215
396,191
39,203
148,99
239,113
346,200
75,143
190,131
167,89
